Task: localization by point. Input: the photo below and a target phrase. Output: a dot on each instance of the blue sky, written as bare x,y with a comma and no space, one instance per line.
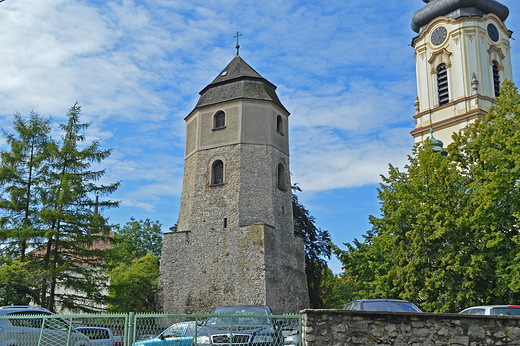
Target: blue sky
344,69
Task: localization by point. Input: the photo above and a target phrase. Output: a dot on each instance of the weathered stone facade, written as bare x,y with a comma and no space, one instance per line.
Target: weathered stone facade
235,240
371,328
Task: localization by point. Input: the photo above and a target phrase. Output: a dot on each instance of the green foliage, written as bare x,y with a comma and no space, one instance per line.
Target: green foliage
133,287
448,233
317,247
18,284
134,240
47,209
23,174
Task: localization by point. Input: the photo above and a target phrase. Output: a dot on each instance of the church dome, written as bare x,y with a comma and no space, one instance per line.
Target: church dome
456,9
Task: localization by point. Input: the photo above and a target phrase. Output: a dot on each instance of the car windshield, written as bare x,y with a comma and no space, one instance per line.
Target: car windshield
506,311
251,320
390,306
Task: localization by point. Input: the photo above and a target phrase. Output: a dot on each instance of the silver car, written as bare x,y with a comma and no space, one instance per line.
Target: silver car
35,326
497,310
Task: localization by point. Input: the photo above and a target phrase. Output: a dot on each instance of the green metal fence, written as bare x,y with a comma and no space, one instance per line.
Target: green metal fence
149,330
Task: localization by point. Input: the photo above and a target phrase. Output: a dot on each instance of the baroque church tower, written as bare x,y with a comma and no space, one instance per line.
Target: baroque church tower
462,54
235,241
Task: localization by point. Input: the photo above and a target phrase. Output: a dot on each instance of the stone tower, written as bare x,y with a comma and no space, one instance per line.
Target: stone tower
462,54
235,240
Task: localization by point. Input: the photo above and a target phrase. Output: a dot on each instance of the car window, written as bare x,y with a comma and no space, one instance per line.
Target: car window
27,322
477,312
95,334
355,306
174,331
191,330
389,306
506,311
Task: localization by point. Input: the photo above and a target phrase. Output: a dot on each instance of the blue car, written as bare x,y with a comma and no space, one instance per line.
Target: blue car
179,334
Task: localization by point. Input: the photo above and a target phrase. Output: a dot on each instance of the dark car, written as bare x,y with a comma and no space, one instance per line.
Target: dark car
241,326
382,305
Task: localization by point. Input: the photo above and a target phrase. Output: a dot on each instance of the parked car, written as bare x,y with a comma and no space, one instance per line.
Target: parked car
98,336
179,334
500,310
27,326
291,337
382,305
119,340
241,325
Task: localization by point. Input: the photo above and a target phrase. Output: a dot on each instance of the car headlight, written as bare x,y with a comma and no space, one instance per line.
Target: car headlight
202,340
262,338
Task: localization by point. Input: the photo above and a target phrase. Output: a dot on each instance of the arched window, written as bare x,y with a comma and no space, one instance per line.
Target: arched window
281,176
496,79
217,173
279,124
219,120
442,84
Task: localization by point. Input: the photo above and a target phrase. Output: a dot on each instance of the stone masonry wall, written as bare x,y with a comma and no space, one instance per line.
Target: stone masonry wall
351,328
235,242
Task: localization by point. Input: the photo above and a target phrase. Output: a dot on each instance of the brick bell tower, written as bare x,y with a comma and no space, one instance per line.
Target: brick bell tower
235,241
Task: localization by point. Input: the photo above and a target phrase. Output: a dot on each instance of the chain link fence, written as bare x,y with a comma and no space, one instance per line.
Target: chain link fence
149,330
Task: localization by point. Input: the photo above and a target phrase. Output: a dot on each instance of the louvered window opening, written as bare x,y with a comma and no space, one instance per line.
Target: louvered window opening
496,79
442,85
218,173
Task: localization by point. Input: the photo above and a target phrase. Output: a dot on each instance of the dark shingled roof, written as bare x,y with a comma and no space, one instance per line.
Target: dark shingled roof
238,81
456,9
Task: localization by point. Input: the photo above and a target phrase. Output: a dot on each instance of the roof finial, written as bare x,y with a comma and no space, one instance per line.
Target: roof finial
237,46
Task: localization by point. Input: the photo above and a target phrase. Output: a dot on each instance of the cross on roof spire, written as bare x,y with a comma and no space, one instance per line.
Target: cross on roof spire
237,36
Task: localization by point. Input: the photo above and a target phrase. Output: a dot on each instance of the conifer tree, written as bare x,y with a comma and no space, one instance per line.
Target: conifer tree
70,256
23,173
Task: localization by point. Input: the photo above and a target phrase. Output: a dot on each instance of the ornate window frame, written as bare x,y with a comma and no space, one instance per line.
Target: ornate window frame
496,68
436,61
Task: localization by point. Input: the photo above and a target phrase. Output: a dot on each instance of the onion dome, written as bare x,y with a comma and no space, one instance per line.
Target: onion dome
456,9
437,145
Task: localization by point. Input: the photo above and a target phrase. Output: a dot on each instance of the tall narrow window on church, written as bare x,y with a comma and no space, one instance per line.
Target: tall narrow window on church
219,120
217,173
442,84
279,124
281,176
496,79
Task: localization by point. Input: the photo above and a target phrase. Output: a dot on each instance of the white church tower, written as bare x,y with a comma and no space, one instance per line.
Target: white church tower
462,54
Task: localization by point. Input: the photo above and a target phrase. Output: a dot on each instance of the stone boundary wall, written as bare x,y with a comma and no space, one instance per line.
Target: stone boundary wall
347,327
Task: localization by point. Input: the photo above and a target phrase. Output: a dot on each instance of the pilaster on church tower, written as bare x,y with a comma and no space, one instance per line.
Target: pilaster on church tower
235,241
462,55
